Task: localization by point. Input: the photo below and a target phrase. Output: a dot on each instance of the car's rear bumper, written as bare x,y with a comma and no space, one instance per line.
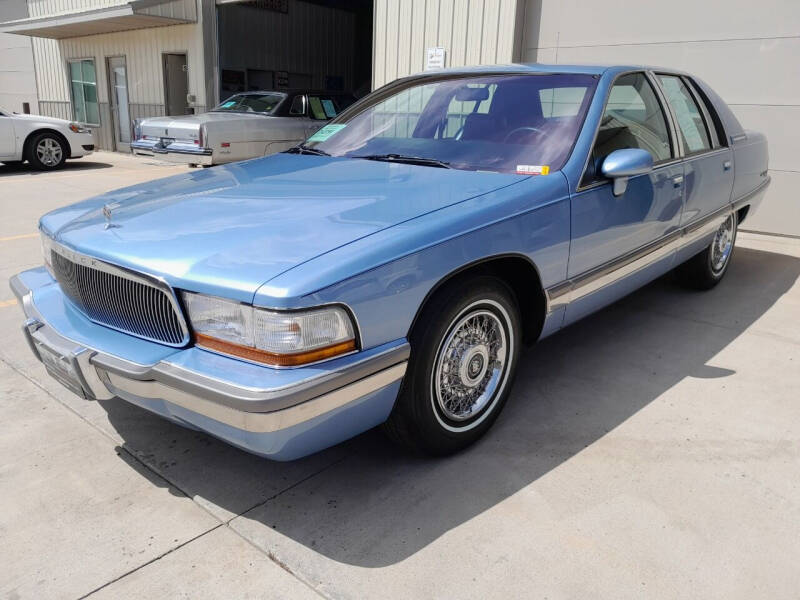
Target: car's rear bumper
179,153
278,413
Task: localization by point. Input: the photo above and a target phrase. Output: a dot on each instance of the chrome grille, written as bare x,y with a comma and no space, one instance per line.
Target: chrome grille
110,296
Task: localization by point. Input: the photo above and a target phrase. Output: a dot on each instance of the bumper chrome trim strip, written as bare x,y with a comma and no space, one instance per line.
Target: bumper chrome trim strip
260,422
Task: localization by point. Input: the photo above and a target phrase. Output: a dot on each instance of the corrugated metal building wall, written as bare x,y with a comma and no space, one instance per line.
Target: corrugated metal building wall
749,57
471,31
17,78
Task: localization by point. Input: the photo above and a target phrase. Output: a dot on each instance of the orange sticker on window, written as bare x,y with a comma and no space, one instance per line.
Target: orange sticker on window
533,169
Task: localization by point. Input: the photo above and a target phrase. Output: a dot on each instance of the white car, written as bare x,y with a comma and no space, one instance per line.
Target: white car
45,142
246,125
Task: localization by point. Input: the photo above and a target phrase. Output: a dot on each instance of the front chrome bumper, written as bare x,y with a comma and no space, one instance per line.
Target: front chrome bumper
237,413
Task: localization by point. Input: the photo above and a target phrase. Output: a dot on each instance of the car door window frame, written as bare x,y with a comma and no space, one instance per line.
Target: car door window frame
716,144
676,149
304,101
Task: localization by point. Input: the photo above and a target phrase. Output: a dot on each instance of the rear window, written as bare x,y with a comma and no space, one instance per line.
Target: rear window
259,103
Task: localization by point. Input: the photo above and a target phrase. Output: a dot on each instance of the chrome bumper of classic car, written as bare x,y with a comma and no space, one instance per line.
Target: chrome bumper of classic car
177,152
237,413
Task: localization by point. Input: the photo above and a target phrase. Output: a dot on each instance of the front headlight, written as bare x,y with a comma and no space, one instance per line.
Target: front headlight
78,128
272,337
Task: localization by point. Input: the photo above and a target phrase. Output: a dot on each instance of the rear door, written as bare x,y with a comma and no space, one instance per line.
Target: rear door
708,162
606,227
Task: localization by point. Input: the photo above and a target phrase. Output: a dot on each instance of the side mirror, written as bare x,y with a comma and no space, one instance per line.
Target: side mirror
622,164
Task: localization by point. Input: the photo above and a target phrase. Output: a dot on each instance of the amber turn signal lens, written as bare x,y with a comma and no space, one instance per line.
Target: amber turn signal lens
271,358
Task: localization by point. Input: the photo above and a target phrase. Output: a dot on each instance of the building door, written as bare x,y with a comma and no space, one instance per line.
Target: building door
176,84
118,95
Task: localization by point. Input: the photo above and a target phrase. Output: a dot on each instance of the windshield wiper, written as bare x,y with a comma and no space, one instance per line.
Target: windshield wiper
303,149
411,160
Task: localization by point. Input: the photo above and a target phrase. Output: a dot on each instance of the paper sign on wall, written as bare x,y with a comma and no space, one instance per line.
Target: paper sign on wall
434,59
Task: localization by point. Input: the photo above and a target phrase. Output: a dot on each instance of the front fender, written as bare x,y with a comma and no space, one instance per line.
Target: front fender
384,278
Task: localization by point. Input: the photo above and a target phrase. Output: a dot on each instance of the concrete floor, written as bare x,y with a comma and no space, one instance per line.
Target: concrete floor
652,450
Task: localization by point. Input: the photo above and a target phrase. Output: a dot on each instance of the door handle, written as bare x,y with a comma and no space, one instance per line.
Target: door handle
677,181
726,166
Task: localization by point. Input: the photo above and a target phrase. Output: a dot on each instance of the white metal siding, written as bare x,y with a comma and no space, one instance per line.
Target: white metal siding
51,78
748,53
471,31
142,49
44,8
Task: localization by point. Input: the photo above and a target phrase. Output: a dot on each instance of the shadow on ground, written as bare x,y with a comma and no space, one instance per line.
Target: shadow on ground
70,165
369,504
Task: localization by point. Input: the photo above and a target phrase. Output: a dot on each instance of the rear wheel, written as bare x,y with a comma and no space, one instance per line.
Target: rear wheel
705,270
464,351
47,151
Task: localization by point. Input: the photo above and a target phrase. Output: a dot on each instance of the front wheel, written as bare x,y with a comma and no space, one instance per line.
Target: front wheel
464,352
47,151
705,270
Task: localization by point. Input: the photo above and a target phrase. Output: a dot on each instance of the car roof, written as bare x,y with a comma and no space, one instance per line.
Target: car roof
598,69
291,92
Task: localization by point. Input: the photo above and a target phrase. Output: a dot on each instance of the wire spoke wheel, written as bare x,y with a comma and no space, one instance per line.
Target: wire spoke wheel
722,245
470,365
49,152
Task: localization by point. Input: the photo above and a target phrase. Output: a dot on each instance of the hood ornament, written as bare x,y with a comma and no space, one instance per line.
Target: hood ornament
107,209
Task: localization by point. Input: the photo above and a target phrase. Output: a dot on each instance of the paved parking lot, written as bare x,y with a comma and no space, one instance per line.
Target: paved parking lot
652,450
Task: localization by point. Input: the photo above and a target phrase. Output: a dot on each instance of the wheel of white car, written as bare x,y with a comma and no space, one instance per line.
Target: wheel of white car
47,151
464,350
705,270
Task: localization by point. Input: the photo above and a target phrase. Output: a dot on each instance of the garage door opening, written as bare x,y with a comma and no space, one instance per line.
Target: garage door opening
323,45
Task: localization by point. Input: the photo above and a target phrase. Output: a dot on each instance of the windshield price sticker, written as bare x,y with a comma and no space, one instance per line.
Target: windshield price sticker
326,132
533,169
228,104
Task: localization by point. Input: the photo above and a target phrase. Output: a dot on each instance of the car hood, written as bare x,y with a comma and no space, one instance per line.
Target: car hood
40,119
230,229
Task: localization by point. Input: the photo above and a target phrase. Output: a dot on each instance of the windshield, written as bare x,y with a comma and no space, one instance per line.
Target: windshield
505,123
259,103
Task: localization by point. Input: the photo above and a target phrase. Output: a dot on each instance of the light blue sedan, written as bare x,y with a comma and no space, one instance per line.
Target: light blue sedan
389,270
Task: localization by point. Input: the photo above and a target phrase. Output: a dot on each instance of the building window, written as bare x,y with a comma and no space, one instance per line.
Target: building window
83,81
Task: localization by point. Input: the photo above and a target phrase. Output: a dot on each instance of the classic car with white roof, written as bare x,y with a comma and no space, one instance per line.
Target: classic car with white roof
246,125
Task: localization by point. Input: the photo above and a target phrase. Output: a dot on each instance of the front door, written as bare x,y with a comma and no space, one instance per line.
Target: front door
605,227
176,84
118,94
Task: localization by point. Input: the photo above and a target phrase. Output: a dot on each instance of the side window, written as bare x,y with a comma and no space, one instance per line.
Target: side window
690,119
322,107
711,112
633,118
298,108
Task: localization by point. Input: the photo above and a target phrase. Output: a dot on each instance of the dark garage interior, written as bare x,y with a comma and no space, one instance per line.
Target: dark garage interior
295,44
